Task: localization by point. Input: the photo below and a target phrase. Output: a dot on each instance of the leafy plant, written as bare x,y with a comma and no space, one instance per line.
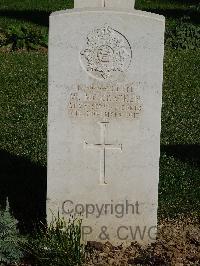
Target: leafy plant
23,37
57,244
3,38
183,35
10,239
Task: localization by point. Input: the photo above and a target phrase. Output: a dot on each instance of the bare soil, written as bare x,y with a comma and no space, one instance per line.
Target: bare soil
178,244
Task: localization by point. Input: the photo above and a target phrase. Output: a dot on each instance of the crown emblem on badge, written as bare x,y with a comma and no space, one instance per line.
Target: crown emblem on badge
107,53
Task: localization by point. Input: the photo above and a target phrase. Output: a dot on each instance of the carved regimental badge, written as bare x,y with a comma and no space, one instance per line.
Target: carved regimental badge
108,53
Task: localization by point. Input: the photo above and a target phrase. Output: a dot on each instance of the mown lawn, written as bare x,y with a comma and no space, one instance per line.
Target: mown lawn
30,12
23,103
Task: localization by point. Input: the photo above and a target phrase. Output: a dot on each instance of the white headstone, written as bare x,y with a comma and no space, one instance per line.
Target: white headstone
88,3
104,121
125,4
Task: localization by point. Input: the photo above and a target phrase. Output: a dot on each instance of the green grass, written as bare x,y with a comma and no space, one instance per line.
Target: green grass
180,137
181,97
50,5
179,191
23,119
167,4
47,5
23,102
35,12
58,244
30,12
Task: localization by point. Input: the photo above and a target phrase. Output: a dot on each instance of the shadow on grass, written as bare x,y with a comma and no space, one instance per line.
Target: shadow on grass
42,17
187,153
179,181
35,16
177,13
24,184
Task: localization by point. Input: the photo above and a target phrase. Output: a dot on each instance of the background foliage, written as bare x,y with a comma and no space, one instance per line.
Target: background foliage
58,244
10,239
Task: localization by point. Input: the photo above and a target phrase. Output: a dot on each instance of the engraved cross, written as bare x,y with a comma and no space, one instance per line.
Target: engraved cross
103,146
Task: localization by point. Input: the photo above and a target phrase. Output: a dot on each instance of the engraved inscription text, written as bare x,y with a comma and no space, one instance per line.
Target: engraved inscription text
104,103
